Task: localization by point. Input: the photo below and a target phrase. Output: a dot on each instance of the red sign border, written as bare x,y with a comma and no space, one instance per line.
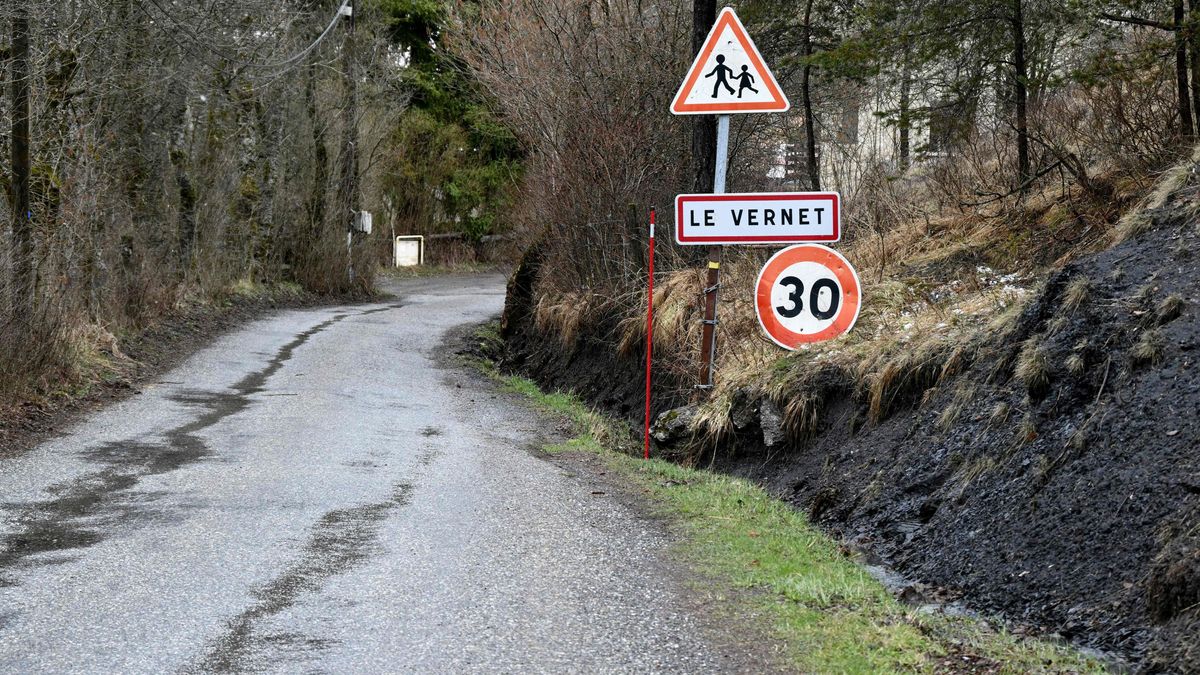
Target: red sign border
822,255
729,18
759,239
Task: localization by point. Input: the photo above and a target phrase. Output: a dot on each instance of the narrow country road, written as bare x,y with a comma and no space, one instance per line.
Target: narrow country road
319,492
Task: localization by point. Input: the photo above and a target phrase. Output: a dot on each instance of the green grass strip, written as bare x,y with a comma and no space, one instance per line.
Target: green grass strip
828,611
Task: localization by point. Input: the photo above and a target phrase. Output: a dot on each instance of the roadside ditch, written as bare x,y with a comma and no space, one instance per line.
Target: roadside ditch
1046,474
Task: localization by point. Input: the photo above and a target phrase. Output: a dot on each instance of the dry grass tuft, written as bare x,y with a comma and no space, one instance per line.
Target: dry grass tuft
970,473
713,423
955,364
802,415
1027,432
883,384
1033,367
676,315
632,330
1076,365
562,315
905,378
1149,348
1058,324
1078,292
805,394
963,394
1145,294
1137,220
1169,309
999,414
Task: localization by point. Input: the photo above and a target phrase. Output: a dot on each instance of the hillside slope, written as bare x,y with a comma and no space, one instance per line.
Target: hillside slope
1057,480
1046,471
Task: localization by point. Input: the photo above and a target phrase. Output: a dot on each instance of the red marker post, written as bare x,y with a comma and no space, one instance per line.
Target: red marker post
649,332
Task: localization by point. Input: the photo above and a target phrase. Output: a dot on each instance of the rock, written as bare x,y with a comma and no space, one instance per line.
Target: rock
770,419
914,595
744,409
674,425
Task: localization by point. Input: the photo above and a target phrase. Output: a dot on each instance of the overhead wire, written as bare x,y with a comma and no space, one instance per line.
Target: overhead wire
307,50
240,63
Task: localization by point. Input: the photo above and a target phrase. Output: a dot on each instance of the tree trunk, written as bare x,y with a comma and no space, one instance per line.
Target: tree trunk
1181,73
186,225
905,121
810,122
1021,91
704,127
317,199
1193,38
178,153
22,254
268,158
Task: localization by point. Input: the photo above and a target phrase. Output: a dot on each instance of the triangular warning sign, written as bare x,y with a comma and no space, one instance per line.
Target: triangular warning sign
729,75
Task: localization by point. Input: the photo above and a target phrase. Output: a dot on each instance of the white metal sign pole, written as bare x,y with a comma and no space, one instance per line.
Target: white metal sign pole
708,349
722,154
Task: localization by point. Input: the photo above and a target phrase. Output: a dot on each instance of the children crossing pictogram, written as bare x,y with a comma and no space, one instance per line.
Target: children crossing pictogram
741,80
720,71
745,81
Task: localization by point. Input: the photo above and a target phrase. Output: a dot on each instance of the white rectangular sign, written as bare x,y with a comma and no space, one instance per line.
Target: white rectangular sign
409,251
758,218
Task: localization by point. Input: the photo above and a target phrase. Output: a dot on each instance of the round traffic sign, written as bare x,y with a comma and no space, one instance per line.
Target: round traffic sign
805,294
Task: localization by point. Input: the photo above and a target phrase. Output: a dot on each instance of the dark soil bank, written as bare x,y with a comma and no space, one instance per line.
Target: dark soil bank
1066,500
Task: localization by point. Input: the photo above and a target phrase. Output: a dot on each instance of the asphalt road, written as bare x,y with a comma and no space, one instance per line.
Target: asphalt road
320,492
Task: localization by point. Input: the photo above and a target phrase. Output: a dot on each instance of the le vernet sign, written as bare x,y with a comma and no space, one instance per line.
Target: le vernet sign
758,218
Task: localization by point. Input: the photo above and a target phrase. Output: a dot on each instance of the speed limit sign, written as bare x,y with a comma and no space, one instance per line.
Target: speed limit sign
805,294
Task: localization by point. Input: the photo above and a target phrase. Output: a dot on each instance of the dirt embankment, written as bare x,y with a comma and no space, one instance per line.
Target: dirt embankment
1052,477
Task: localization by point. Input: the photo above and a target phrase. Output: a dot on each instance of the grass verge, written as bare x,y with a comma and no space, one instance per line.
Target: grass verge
829,612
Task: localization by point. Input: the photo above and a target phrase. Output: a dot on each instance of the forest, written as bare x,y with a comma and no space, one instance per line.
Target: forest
160,154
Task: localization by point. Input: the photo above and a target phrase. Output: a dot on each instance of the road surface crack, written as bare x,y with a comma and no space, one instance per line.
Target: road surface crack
75,516
339,540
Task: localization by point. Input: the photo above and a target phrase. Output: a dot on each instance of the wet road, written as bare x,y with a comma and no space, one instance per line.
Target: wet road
318,492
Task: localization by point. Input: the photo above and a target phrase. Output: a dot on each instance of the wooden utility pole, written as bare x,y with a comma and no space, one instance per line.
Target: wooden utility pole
704,159
23,263
712,283
348,198
704,127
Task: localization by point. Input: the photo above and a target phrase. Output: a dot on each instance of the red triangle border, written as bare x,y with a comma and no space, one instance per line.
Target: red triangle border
729,19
